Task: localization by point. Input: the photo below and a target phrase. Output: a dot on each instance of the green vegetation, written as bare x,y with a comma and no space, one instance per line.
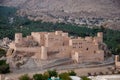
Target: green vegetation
85,78
117,50
24,77
72,73
48,74
25,26
4,68
44,76
38,77
2,52
52,73
64,76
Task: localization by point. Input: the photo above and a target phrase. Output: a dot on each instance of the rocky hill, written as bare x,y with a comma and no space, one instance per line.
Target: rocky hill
89,7
62,10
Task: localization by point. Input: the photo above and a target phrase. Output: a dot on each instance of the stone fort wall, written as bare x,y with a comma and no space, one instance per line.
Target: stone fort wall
59,44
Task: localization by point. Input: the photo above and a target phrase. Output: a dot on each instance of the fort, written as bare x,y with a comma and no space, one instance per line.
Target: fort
57,45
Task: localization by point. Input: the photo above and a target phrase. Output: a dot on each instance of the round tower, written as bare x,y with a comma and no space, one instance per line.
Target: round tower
18,37
44,55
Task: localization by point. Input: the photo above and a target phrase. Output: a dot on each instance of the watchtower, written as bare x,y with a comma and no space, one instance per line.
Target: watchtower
18,37
44,53
100,34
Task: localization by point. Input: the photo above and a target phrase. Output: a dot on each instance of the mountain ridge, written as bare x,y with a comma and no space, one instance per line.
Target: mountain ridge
98,7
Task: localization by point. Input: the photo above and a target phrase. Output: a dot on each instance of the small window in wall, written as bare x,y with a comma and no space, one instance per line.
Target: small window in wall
74,43
86,48
80,43
74,47
51,38
94,51
63,44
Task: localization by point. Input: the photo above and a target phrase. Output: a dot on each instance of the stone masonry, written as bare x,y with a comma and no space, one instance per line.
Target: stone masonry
50,45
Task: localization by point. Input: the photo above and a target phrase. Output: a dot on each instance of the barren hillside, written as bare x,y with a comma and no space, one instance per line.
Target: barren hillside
107,8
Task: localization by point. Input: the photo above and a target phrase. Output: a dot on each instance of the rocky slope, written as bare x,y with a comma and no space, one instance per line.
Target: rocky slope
89,7
68,10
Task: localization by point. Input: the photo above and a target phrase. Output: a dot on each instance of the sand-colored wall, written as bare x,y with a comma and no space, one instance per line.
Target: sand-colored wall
36,36
12,45
79,49
117,61
2,77
28,49
18,38
87,50
81,57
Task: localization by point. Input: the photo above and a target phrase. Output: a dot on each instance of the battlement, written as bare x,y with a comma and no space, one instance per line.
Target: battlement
58,32
89,39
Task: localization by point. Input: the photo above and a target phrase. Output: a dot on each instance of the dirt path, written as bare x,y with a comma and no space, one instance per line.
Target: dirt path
79,71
